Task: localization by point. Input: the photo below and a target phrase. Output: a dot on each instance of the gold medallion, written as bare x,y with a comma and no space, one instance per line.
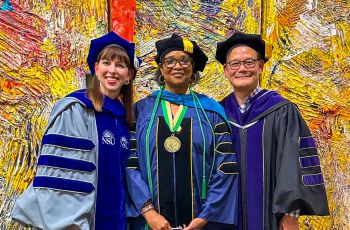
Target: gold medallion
172,144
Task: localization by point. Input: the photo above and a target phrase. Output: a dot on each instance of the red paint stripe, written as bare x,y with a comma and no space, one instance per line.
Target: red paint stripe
122,18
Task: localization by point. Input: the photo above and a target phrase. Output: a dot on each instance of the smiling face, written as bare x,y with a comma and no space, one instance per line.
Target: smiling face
177,78
243,79
112,71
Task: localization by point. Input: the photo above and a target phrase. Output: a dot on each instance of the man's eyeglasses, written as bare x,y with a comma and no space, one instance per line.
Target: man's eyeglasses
248,64
171,62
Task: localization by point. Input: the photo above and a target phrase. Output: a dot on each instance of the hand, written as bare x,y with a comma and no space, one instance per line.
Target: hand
289,223
156,221
196,223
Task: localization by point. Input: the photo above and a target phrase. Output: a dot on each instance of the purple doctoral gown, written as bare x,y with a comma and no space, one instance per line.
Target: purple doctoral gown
279,165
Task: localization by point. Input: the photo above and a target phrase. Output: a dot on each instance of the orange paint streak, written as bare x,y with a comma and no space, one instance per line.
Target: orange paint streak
289,16
274,36
6,85
6,115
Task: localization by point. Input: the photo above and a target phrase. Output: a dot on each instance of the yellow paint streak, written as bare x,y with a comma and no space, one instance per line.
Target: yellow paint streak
195,6
250,23
50,48
312,70
64,81
231,5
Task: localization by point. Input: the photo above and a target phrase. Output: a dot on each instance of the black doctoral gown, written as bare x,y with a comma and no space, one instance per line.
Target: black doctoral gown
280,167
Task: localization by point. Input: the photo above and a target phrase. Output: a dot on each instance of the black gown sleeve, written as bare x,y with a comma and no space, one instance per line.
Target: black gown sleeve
299,179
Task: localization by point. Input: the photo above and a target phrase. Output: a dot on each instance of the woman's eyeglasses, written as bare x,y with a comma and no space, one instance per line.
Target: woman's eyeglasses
171,62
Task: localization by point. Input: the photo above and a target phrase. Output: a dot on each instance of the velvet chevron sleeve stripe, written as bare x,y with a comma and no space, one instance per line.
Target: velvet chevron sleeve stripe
63,184
133,144
68,142
313,179
133,162
307,142
229,168
221,129
224,148
309,161
66,163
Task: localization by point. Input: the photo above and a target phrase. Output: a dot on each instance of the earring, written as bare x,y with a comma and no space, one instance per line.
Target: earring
194,78
127,82
161,80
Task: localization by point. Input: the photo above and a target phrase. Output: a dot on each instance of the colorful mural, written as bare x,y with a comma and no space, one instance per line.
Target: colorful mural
43,45
310,66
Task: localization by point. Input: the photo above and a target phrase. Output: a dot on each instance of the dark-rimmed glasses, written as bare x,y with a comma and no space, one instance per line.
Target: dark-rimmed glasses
171,62
248,64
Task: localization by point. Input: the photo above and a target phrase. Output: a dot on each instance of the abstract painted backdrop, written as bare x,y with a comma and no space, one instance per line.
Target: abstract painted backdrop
43,45
310,65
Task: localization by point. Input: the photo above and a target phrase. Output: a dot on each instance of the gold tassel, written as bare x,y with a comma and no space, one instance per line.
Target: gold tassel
188,46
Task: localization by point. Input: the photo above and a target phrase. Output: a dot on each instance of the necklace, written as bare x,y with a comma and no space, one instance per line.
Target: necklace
172,143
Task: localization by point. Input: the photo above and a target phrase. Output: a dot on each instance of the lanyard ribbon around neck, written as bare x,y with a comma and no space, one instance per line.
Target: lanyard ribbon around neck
173,123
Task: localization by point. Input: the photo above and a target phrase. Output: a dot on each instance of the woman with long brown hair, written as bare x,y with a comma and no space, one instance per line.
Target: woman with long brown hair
79,183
